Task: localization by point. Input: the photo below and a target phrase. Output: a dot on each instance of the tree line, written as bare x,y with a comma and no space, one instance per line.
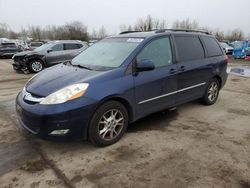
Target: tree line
77,30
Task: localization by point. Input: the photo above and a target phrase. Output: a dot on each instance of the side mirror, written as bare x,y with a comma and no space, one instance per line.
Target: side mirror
145,65
48,51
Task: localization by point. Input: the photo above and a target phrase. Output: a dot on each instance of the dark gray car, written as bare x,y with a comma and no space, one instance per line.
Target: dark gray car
8,49
48,54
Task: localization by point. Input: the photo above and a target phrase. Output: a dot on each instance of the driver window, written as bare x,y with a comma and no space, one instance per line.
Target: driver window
57,47
159,51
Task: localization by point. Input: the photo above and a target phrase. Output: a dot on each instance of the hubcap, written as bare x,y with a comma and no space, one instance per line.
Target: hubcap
213,91
111,124
37,66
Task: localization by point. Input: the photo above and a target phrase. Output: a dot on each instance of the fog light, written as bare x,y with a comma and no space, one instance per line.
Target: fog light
59,132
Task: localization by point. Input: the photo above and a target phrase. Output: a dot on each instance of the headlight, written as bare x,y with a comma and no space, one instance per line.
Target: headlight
68,93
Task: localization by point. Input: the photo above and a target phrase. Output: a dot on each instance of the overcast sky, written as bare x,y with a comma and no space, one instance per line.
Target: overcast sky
223,14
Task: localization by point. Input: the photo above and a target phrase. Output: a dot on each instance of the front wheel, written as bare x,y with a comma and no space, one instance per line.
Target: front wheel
108,124
212,92
36,66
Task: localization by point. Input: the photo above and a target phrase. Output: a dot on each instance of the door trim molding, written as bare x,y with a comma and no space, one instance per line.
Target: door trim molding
171,93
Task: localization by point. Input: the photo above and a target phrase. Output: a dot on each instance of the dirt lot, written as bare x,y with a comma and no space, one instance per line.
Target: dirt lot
193,146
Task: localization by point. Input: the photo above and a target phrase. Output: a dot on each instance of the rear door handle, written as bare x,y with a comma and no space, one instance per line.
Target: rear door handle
182,68
172,71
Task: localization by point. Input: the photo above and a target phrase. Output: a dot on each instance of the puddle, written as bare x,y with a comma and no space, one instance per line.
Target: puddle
239,71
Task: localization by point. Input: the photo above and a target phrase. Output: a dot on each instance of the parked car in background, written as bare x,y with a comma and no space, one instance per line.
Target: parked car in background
119,80
48,54
228,49
248,50
8,49
34,45
2,40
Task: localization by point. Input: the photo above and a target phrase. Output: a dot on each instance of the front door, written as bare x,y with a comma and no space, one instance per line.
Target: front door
56,55
155,89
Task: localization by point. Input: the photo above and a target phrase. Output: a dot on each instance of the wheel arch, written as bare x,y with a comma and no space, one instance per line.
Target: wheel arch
219,79
123,101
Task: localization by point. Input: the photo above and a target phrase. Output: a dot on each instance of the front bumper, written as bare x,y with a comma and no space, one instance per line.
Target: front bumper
20,65
42,120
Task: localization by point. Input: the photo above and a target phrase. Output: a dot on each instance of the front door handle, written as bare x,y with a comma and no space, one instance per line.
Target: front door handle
172,71
182,68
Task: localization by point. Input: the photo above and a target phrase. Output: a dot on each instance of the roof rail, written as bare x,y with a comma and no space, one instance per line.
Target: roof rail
183,30
125,32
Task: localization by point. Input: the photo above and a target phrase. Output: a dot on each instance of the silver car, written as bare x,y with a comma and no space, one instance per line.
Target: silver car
228,49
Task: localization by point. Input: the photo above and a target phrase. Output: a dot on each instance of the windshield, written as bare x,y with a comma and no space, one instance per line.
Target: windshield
107,54
43,47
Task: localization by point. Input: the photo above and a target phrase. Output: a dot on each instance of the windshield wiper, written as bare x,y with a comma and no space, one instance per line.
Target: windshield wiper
82,66
77,65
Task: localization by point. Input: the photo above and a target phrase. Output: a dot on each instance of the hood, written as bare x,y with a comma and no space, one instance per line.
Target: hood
26,53
58,77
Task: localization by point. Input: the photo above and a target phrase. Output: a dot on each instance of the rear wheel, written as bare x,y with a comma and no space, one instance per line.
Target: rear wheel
36,65
212,92
108,124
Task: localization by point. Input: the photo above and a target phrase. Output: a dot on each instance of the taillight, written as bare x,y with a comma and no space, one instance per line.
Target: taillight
226,58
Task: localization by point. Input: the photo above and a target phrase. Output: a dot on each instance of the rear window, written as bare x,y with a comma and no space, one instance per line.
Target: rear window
212,47
189,48
72,46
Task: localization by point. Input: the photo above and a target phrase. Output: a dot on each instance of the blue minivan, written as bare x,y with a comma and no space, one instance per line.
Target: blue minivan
119,80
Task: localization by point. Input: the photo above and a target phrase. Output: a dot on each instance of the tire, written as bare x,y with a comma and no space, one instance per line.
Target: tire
103,125
212,92
36,66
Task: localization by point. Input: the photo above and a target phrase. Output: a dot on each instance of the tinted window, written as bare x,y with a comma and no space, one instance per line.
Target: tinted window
71,46
213,48
57,47
36,44
159,51
189,48
79,45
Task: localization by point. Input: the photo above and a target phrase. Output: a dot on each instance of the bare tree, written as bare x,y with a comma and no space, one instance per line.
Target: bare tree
236,34
185,24
4,30
75,30
35,32
102,33
145,24
220,35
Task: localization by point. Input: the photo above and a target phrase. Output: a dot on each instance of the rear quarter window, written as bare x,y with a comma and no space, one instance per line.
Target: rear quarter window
189,48
212,47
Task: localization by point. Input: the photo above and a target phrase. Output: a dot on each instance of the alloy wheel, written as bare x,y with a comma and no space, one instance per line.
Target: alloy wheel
213,91
37,66
111,124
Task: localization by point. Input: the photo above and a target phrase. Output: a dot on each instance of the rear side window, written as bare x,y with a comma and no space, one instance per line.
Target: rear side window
212,47
189,48
159,51
72,46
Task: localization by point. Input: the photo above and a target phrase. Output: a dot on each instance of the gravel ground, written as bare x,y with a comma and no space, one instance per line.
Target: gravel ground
193,146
